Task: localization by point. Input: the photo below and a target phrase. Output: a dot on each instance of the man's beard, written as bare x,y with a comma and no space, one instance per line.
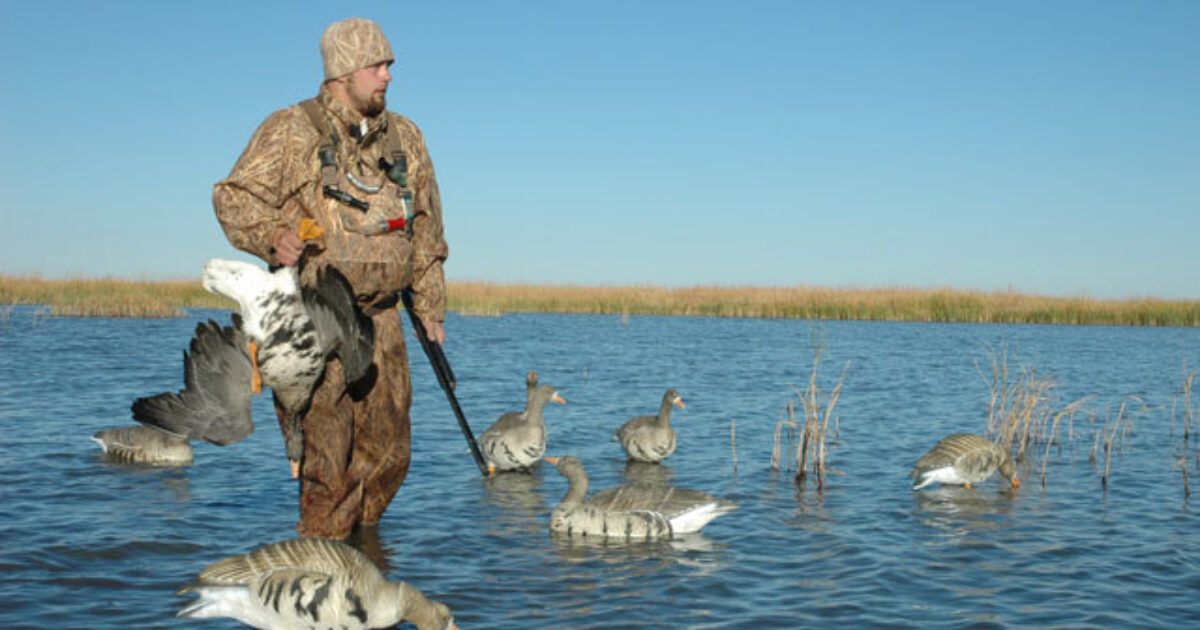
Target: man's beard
374,105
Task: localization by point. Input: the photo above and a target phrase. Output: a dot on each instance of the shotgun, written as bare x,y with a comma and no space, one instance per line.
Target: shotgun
445,376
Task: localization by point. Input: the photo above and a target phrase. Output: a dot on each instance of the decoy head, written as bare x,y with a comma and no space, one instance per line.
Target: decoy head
546,394
567,464
1009,470
673,397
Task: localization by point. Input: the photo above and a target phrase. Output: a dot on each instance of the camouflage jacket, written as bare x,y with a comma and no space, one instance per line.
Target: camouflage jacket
277,181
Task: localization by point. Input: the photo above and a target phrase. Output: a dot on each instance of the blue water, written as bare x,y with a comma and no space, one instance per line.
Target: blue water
91,544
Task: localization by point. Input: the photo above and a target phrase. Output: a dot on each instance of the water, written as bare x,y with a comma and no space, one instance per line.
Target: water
91,544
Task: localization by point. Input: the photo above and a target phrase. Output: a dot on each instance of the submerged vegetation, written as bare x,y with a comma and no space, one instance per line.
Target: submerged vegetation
109,297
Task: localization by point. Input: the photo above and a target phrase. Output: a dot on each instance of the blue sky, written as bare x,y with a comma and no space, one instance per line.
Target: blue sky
1046,147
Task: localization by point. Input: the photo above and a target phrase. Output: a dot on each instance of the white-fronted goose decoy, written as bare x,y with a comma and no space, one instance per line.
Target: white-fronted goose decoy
292,331
633,512
963,459
310,583
517,440
651,439
144,445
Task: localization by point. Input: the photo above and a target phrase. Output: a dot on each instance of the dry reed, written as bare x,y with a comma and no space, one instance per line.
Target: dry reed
811,444
883,304
108,297
122,298
1024,410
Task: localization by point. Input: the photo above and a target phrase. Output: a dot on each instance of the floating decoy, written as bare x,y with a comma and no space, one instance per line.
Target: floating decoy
144,445
310,583
288,332
517,440
651,439
632,512
963,459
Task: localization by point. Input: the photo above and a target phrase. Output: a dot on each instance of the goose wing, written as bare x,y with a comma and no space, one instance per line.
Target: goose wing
309,555
214,404
342,327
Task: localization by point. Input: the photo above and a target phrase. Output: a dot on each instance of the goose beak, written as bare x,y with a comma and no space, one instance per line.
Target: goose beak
1016,483
295,466
679,403
559,399
553,460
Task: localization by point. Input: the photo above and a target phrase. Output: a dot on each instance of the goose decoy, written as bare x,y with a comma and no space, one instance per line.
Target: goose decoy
963,459
651,439
310,583
293,331
517,440
144,445
633,512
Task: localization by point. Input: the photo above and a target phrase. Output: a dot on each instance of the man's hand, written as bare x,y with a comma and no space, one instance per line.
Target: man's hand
435,331
287,246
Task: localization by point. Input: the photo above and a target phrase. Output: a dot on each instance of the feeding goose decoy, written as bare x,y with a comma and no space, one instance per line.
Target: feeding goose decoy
963,459
517,440
288,332
651,439
310,583
631,512
144,445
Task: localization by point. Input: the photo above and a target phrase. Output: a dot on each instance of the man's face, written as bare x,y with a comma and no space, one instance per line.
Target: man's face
367,89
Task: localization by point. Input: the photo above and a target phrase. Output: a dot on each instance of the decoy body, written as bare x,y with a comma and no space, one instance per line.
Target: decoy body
144,445
310,583
963,459
633,512
650,438
292,331
517,440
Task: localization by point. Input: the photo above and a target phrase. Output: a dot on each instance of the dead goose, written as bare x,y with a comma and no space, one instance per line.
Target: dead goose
304,582
651,439
293,330
632,512
517,440
963,459
214,404
144,445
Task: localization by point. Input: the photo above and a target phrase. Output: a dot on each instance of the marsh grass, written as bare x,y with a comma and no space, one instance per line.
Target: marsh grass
1024,410
107,297
110,297
809,434
882,304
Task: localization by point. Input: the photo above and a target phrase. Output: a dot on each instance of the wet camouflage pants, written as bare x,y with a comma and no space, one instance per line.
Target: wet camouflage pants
356,444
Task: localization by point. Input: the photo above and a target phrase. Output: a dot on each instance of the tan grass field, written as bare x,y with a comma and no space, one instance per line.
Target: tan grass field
109,297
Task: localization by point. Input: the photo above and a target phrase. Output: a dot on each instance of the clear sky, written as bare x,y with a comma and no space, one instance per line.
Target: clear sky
1049,147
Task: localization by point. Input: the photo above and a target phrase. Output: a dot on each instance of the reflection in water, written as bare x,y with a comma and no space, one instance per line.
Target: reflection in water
956,512
690,550
650,474
366,539
515,502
